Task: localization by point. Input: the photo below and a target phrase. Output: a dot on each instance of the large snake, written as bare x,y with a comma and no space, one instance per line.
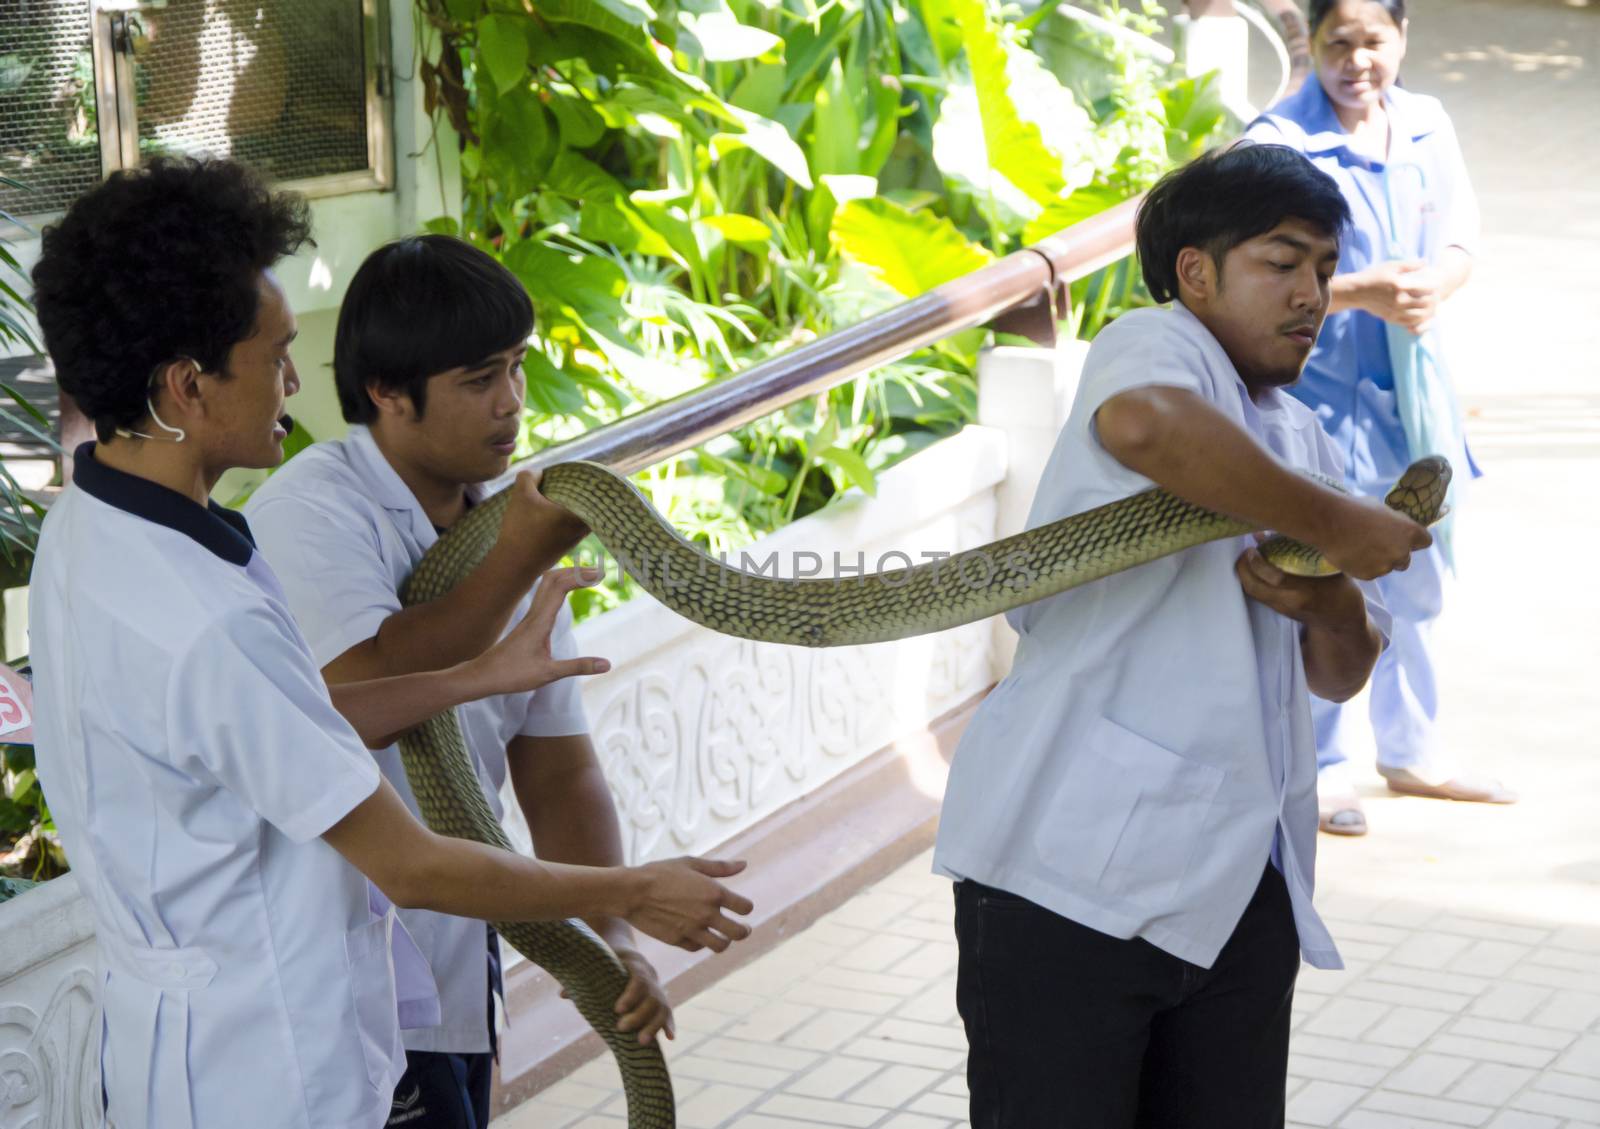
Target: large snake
815,612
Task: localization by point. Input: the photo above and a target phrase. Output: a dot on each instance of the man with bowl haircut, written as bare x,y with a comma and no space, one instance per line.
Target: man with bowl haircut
428,365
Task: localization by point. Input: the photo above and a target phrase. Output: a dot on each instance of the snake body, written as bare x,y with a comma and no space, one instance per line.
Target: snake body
816,612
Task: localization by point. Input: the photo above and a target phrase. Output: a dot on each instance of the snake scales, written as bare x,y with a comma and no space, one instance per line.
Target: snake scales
814,613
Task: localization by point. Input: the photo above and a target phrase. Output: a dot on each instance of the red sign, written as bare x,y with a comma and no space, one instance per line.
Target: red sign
16,708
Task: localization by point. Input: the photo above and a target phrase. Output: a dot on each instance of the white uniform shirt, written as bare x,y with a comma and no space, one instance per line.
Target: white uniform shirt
343,532
192,759
1152,746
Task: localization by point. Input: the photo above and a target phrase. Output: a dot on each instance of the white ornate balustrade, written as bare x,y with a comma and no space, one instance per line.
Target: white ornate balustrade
701,736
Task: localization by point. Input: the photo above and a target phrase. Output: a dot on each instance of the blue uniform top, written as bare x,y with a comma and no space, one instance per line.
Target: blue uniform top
1411,205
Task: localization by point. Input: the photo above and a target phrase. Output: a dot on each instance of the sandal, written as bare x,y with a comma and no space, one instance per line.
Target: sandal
1342,816
1404,782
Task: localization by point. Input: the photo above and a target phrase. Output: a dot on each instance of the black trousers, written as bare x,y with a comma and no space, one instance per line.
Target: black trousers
442,1090
1071,1029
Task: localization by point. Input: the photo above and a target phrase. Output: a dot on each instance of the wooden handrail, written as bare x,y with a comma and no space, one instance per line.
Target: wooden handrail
1034,278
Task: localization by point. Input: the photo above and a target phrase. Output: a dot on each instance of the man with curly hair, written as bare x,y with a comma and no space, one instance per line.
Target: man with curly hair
228,827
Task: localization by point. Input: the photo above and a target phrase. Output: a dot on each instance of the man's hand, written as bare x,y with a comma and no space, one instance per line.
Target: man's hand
1337,641
522,660
643,1005
1316,601
1367,539
1406,294
535,527
680,902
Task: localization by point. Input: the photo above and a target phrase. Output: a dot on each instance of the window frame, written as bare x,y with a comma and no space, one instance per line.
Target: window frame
112,22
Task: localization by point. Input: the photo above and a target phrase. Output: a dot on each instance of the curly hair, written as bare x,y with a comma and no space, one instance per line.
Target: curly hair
157,263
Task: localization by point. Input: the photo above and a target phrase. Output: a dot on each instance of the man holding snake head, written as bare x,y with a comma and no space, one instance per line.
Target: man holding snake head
1131,816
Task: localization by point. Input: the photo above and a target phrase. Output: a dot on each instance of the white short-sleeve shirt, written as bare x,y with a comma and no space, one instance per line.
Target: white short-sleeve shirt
1151,749
192,760
343,533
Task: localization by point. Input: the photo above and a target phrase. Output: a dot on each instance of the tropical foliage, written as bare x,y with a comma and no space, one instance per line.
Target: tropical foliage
27,843
691,187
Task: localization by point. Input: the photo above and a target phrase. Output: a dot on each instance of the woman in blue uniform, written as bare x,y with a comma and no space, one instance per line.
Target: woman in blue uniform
1376,378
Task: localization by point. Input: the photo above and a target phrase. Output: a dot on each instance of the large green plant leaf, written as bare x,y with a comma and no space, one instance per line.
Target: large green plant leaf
1071,209
572,174
836,126
503,46
1016,149
723,39
911,252
590,284
768,140
518,141
1194,110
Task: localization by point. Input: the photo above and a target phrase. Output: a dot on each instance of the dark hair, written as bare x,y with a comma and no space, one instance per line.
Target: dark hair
1226,197
418,307
157,263
1320,9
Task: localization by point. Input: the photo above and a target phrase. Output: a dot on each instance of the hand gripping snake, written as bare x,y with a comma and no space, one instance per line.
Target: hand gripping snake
818,612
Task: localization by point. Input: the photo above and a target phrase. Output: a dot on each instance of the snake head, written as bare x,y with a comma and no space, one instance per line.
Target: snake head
1420,492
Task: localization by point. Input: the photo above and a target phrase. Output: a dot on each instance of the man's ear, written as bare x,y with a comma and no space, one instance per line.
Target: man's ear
176,389
1197,275
391,403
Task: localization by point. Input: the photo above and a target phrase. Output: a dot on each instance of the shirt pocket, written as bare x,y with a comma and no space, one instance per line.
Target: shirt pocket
1127,815
372,991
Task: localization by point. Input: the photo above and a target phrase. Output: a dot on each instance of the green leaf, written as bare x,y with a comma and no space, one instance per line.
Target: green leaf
825,200
14,818
767,139
944,33
736,228
764,479
1074,208
616,223
1194,110
835,126
761,90
518,143
557,277
1015,147
24,403
581,125
911,252
612,34
667,220
853,466
723,39
572,174
503,46
551,391
442,225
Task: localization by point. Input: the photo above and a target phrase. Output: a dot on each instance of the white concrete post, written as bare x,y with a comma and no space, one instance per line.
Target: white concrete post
1214,38
1025,394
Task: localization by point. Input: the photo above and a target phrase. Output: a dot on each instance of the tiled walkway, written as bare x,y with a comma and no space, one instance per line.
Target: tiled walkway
1472,935
1445,1017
